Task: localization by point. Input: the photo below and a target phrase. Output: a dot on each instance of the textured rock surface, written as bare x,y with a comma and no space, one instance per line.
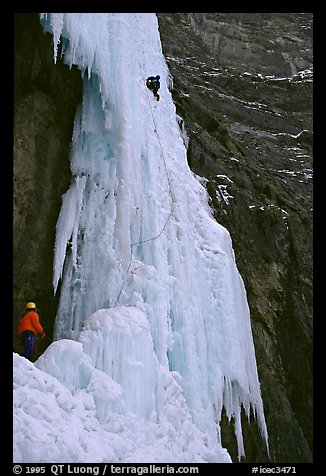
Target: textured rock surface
247,107
243,86
46,97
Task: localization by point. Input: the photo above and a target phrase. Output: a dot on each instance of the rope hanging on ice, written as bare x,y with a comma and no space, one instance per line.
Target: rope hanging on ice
168,179
169,215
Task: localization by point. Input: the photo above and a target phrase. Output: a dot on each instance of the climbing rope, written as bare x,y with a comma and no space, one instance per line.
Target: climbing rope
170,193
167,176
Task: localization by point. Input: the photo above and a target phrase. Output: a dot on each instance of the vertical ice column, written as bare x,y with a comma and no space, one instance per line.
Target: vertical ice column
140,226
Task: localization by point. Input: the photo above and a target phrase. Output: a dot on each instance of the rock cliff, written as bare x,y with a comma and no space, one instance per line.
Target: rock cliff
243,88
45,101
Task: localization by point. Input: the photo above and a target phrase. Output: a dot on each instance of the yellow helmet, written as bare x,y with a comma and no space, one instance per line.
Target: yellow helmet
30,305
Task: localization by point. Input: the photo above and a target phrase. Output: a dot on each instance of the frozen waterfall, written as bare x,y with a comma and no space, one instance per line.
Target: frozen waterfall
153,333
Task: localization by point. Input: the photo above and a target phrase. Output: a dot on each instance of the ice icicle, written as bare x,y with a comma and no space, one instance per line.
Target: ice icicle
67,227
142,234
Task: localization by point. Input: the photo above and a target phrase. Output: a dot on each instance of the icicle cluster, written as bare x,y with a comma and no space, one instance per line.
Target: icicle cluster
150,286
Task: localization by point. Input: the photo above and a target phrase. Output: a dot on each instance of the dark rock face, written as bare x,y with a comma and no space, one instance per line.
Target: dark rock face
243,86
46,96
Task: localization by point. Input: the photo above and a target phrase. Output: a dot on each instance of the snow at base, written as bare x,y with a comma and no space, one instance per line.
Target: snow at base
153,334
69,409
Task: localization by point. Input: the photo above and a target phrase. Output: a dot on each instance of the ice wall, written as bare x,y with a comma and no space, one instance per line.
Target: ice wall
135,230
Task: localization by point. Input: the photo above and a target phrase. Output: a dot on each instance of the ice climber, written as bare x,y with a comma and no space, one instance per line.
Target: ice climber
29,327
153,83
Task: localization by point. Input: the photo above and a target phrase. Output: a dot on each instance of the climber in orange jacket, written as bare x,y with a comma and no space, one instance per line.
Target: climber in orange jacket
29,327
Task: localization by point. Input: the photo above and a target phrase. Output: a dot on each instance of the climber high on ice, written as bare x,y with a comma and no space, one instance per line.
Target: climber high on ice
153,83
29,327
